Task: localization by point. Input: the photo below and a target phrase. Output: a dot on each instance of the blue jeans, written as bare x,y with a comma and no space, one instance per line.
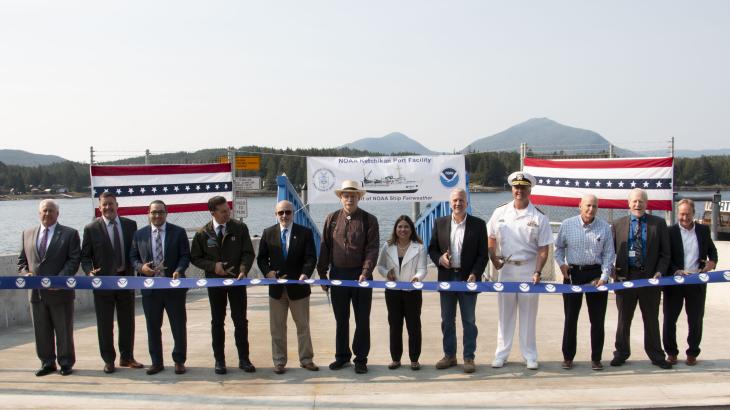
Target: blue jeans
467,304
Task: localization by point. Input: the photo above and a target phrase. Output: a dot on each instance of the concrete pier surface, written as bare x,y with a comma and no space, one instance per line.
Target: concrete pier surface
636,384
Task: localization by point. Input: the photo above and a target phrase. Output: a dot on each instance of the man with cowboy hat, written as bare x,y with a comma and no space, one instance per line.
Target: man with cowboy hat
349,251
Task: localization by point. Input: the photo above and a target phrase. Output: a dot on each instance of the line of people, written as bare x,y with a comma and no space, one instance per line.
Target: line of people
516,239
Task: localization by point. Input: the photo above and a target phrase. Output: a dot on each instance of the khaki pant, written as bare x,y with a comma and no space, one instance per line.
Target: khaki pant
279,309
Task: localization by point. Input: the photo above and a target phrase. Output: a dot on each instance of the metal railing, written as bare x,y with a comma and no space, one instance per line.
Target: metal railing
424,223
285,191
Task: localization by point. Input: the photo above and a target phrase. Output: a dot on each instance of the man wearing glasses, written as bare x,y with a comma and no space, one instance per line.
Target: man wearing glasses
161,249
286,251
222,248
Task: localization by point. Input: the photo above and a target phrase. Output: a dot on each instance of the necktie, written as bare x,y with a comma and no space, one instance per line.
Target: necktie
221,228
638,244
118,258
283,242
42,246
159,256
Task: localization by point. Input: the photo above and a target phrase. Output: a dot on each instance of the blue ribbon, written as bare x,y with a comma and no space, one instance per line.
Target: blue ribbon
136,282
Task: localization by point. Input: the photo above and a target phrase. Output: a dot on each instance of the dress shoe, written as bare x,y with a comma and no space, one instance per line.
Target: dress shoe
279,369
446,362
310,366
66,370
497,363
415,366
109,368
663,364
532,365
220,368
672,358
596,365
567,364
469,366
46,370
131,363
155,368
361,368
691,360
246,366
393,365
180,368
615,362
339,364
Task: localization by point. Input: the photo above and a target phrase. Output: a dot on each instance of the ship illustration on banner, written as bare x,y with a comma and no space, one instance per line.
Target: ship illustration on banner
388,184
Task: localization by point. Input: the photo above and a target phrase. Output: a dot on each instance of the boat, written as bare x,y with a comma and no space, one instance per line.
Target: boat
388,184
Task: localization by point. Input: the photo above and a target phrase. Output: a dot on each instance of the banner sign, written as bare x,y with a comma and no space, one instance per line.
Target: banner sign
398,178
136,282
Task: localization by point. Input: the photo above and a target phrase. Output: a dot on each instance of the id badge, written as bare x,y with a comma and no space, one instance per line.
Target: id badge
632,254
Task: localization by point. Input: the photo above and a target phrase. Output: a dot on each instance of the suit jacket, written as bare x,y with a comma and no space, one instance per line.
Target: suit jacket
706,246
61,259
301,258
97,250
177,249
235,249
473,251
413,265
657,246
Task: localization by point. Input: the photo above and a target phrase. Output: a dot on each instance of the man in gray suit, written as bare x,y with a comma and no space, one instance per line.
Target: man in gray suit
51,249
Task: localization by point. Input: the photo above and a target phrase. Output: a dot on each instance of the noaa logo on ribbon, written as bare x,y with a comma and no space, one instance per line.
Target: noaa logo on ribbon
71,282
20,282
417,285
726,275
309,281
46,283
449,177
524,287
550,287
679,279
255,281
228,282
444,285
472,286
653,281
363,284
576,289
628,284
96,283
323,179
390,284
122,282
201,283
149,282
498,287
282,280
175,283
336,282
704,277
602,288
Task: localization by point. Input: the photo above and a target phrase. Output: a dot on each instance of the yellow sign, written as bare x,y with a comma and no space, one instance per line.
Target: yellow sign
249,163
222,159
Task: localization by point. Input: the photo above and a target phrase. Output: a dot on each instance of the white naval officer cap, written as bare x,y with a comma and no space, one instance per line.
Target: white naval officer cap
520,178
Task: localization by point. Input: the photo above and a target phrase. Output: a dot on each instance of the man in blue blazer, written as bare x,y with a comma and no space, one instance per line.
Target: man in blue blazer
161,249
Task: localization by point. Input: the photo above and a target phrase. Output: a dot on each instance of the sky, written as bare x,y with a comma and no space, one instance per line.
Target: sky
131,75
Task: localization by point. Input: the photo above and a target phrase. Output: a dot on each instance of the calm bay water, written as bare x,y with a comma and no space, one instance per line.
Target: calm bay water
19,215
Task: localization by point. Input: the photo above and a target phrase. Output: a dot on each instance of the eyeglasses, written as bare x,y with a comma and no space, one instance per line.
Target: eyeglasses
284,212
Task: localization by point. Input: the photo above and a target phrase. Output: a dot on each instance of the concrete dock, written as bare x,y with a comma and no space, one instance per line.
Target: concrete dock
636,384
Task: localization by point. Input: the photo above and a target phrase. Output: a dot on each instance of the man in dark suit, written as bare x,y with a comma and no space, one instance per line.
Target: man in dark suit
458,247
642,252
222,248
51,249
104,252
286,251
161,249
692,251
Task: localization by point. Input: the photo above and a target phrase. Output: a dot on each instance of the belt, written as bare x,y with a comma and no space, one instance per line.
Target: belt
582,268
455,269
516,263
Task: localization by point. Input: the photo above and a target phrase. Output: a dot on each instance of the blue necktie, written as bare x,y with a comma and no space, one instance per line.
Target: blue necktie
283,242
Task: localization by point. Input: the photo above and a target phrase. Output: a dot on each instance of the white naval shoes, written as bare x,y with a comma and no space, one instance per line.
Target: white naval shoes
532,364
497,363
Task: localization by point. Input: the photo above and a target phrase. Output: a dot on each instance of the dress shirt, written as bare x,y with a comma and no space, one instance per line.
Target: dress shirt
215,227
51,229
579,243
691,249
456,241
632,228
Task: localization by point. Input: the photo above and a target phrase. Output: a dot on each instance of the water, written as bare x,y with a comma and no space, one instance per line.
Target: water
19,215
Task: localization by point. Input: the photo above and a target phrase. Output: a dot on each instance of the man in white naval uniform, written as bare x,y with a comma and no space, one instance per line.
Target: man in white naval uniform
519,237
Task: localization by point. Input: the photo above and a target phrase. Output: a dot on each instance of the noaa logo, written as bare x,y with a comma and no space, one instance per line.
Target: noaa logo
576,289
602,288
175,283
149,282
46,283
654,281
524,287
71,282
726,275
679,279
323,179
472,286
336,282
255,281
20,282
363,284
309,281
417,285
96,283
449,177
704,277
228,282
390,284
201,283
498,287
122,282
282,280
628,284
444,285
550,287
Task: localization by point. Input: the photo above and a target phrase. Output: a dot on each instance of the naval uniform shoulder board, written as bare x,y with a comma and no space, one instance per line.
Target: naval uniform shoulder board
539,210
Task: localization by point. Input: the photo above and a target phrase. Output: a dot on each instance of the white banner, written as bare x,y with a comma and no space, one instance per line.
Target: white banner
397,178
